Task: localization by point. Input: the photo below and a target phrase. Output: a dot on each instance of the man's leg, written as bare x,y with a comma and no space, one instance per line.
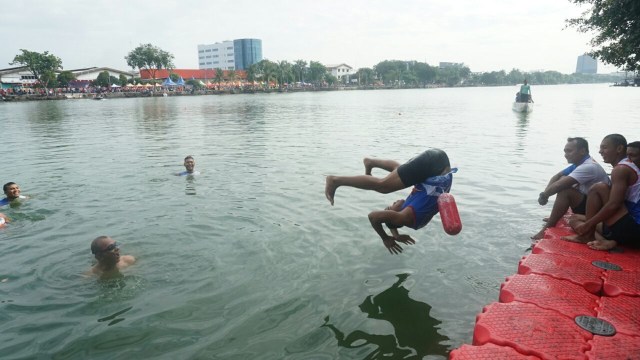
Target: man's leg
598,196
388,184
370,164
564,199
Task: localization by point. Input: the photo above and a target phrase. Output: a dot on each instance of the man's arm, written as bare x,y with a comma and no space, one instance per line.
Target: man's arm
557,183
400,218
619,185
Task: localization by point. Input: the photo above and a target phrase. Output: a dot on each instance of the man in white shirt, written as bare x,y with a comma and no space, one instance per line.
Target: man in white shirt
572,184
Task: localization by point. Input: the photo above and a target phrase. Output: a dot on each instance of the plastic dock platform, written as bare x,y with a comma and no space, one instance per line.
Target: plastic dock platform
566,302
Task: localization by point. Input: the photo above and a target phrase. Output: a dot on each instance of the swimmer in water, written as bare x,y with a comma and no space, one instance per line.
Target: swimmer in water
110,262
189,165
12,192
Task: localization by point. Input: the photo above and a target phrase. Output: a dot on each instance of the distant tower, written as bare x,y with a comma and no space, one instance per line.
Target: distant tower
247,52
586,65
230,54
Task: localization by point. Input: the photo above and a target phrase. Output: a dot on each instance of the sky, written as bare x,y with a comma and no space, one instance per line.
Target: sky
486,35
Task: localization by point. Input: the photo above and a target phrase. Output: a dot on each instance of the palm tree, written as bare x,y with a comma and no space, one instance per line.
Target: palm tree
219,76
300,68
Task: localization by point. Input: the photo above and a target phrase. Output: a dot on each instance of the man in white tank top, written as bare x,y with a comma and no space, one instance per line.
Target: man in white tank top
617,206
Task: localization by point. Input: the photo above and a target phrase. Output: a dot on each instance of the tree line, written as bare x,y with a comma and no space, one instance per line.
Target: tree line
615,23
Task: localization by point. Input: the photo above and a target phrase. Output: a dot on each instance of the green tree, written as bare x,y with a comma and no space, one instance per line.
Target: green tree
102,80
64,78
316,72
251,73
195,83
41,65
365,76
219,77
617,27
151,58
425,74
174,77
232,75
122,80
284,73
299,68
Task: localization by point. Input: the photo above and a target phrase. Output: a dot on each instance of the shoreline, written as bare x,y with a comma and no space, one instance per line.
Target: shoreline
138,94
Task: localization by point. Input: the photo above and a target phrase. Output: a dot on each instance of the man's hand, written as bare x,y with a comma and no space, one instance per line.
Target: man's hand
543,199
392,246
405,239
582,229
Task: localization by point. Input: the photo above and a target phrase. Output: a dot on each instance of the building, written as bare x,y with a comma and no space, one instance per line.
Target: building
22,77
340,71
196,74
586,65
16,77
92,73
230,55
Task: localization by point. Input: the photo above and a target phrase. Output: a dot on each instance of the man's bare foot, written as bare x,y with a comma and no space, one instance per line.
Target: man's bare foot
602,244
367,166
577,239
539,235
330,189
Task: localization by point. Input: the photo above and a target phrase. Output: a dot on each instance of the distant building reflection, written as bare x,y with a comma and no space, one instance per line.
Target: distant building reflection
416,333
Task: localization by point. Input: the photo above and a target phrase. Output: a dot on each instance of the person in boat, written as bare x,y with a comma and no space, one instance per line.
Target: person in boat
525,92
189,165
12,192
431,175
518,96
571,184
107,253
616,206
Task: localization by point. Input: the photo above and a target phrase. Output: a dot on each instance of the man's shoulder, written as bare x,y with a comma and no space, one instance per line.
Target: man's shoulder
128,259
590,165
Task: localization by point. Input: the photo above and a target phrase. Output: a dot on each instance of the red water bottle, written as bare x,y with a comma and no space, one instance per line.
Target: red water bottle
449,214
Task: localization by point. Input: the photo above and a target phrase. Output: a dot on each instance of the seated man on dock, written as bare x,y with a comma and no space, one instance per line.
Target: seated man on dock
571,184
429,172
616,206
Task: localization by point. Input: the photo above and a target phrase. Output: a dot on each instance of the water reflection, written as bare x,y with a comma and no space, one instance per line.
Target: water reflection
156,115
416,332
521,130
191,185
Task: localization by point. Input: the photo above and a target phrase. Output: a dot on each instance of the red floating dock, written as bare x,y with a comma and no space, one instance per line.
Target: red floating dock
567,301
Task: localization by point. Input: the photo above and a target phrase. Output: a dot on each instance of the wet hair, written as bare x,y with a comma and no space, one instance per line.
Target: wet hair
617,140
95,248
5,187
189,157
635,144
581,143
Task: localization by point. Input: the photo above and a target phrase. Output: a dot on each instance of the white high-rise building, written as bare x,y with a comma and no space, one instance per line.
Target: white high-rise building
216,56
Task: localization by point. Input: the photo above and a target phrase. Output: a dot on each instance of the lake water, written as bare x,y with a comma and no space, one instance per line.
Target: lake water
248,260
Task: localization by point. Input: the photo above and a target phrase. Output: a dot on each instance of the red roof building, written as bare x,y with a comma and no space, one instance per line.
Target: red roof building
204,74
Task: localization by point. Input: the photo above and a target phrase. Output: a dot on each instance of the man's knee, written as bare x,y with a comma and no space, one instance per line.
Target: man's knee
599,189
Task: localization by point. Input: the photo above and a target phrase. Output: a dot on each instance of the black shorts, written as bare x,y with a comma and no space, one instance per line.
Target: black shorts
625,231
582,208
430,163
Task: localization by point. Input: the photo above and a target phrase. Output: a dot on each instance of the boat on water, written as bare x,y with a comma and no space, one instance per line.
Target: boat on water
523,107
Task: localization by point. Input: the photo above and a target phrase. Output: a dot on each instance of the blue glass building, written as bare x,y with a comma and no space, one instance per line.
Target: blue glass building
247,52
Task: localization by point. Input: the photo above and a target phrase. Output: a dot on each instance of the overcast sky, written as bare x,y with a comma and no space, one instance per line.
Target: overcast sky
485,35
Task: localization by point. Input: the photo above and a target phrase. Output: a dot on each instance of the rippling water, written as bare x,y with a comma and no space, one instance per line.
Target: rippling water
248,259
